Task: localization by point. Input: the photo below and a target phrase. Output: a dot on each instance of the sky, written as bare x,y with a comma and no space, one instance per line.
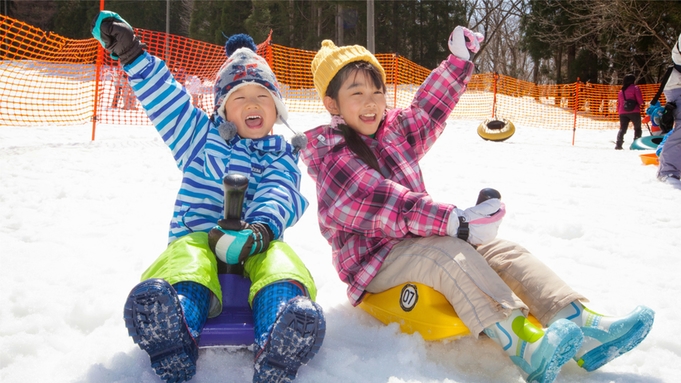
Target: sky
80,220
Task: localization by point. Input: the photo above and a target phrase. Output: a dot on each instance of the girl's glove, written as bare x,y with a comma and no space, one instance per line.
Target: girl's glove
233,242
478,224
462,42
117,36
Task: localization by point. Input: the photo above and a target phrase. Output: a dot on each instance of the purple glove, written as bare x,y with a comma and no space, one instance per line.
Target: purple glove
479,224
462,42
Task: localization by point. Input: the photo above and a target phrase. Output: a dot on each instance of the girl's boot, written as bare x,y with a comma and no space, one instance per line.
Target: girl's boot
538,353
155,320
606,338
289,330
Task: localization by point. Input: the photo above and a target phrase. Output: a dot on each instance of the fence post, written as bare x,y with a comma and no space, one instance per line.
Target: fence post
495,77
576,108
98,72
395,74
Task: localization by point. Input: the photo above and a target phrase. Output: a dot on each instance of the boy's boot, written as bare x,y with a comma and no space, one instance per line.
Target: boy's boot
539,353
195,301
155,321
289,330
606,338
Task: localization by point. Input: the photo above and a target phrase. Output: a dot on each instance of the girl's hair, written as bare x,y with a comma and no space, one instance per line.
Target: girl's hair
628,80
355,143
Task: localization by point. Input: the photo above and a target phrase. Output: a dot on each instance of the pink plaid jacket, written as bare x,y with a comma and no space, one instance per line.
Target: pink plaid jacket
364,213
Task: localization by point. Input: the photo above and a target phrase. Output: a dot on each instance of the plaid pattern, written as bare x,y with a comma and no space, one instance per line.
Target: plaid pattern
270,163
363,213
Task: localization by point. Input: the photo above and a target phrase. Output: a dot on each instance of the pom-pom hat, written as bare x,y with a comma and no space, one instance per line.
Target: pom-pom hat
243,67
330,59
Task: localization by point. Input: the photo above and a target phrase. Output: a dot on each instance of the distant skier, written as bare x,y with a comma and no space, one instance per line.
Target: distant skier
166,312
385,229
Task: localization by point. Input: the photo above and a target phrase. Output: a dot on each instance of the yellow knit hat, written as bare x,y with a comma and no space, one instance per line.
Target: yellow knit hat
330,59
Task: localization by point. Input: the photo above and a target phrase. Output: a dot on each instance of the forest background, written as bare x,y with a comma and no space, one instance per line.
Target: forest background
541,41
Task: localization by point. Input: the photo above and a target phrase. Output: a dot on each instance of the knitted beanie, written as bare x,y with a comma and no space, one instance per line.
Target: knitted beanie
330,59
243,67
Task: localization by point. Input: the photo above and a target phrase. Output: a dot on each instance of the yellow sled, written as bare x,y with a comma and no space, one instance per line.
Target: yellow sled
418,308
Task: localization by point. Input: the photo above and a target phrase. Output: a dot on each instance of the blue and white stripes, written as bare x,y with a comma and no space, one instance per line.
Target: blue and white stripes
270,163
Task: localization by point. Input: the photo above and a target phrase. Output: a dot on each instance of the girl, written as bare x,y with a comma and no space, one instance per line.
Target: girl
629,100
385,230
165,313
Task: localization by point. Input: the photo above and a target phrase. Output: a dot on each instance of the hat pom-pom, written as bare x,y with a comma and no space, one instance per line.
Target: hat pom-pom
237,41
227,130
299,141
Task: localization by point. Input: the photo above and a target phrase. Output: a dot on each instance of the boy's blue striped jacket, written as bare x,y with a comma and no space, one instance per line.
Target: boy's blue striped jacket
270,163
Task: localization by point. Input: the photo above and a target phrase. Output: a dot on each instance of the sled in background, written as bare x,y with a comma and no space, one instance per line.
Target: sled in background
649,159
496,130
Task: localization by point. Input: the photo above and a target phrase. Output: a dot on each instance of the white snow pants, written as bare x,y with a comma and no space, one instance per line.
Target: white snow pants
483,285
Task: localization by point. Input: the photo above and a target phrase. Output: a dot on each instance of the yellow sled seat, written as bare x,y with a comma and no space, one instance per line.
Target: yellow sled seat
418,308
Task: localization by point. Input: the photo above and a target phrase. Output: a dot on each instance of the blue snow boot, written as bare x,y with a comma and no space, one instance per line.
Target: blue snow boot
289,330
539,353
606,338
195,301
155,321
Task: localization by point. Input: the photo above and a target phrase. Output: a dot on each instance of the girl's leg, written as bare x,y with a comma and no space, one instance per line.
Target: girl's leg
624,125
482,300
636,120
606,338
556,300
539,353
452,267
544,292
289,325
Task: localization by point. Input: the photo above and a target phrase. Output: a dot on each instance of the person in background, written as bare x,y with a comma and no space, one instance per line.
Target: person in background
629,101
669,151
385,229
165,312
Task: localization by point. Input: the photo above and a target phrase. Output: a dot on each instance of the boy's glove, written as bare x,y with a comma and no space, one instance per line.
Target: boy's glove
478,224
117,36
233,242
462,42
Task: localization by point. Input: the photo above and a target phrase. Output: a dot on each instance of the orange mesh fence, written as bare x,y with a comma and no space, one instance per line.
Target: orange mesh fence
49,79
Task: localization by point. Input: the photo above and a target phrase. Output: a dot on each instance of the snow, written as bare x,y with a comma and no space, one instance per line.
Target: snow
80,220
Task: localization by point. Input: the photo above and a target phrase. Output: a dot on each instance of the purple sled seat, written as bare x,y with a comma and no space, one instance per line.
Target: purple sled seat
234,325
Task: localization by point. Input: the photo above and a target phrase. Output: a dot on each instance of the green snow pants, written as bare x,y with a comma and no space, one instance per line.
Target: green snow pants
190,259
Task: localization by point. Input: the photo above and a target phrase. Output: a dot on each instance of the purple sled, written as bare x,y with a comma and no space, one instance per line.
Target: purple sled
234,325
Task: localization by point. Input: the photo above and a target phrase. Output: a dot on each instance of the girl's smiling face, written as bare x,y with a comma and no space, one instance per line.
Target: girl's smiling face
360,103
252,109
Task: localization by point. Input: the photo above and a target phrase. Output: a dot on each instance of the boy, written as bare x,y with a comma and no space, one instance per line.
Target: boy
165,313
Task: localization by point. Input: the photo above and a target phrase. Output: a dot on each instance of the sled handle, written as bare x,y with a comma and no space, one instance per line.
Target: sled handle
486,194
235,186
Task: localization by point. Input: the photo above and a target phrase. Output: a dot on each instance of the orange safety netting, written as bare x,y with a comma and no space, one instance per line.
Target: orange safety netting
49,79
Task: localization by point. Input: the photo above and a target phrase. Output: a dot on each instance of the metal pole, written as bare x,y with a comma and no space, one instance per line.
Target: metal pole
371,45
167,29
98,73
339,25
